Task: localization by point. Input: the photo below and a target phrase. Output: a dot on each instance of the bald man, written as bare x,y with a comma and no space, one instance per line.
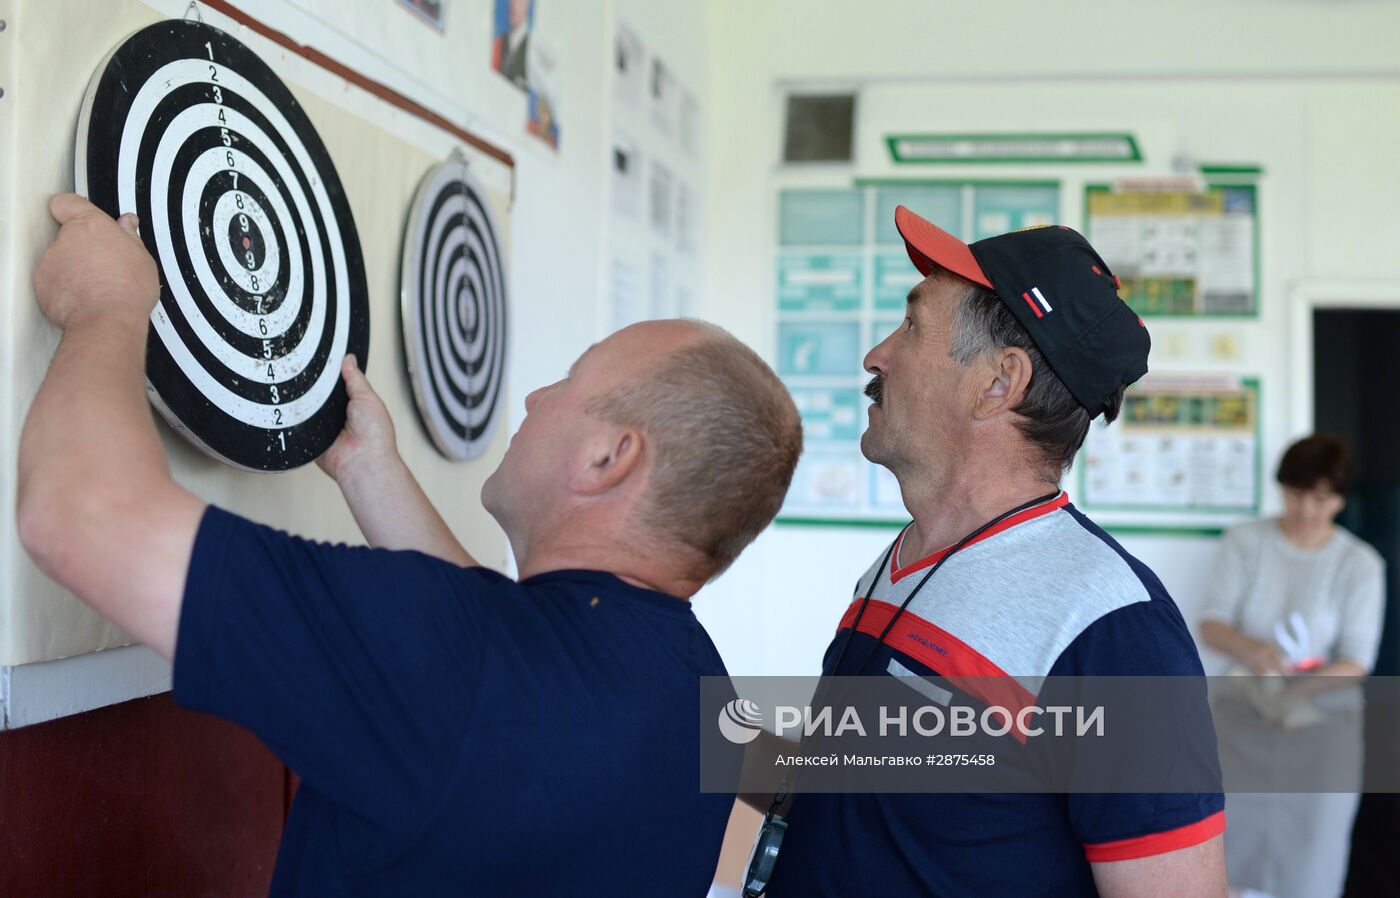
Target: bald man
456,732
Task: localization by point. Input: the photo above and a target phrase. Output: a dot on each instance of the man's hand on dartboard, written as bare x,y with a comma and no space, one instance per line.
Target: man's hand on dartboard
96,268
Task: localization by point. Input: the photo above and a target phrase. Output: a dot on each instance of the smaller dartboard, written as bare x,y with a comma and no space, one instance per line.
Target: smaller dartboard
454,302
263,288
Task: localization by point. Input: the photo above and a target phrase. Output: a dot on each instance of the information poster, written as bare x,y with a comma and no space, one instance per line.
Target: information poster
841,277
828,282
1187,443
1178,252
655,231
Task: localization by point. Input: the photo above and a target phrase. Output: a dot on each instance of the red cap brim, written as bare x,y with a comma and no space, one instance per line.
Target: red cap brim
929,246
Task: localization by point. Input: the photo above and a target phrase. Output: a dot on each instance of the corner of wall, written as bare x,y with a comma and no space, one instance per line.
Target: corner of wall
11,286
4,699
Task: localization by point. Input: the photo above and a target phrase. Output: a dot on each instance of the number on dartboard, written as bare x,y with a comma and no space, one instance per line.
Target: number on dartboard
146,143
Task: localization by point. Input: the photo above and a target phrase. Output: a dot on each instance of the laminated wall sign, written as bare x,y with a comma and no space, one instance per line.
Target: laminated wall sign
1179,252
1183,443
841,276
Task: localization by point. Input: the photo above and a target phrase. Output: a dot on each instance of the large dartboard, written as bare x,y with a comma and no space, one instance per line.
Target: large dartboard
262,283
454,310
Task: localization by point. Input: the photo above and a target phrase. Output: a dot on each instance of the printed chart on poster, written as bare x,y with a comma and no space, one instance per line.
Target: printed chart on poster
841,276
1182,443
263,286
1179,252
654,230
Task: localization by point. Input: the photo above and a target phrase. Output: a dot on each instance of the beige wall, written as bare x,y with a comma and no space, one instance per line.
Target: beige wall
379,158
1310,91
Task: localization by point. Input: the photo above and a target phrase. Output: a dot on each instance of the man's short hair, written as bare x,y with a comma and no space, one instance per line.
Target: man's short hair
1051,419
727,437
1320,458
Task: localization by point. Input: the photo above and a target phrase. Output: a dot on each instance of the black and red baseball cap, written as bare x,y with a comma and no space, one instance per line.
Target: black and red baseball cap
1060,290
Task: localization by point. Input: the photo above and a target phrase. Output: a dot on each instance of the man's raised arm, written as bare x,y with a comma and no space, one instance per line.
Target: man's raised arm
97,509
391,508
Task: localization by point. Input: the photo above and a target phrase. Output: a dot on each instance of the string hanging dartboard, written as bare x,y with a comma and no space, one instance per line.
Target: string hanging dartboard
262,283
454,310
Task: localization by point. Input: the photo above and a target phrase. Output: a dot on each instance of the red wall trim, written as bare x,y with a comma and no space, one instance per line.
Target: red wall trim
379,89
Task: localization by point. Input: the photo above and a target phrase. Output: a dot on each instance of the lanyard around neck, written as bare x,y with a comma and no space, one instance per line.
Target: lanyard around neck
960,544
786,788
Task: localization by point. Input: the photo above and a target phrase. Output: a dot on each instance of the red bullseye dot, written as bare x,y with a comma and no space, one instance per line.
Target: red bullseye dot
247,243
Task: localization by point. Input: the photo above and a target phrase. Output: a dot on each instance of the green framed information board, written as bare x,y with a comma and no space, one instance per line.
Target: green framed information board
1012,148
1180,252
841,276
1182,443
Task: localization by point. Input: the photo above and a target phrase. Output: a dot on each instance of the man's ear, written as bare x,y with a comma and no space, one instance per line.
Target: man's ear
1009,377
611,458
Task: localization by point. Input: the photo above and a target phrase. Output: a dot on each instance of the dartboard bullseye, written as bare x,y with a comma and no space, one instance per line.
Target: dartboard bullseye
263,286
454,310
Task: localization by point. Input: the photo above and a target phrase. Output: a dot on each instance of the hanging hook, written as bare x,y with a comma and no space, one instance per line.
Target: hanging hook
192,13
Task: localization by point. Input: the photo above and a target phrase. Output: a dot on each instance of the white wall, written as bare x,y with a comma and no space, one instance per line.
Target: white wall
1308,90
558,243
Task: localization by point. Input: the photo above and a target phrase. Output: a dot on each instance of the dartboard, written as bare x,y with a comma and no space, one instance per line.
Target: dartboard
454,310
262,283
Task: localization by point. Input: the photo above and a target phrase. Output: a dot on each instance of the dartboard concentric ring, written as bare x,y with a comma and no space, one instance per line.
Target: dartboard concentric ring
454,304
263,287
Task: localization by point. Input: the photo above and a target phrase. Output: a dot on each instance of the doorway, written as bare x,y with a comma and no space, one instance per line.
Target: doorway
1354,354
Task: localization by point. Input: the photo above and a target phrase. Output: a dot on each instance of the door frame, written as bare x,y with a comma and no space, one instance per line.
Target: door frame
1306,297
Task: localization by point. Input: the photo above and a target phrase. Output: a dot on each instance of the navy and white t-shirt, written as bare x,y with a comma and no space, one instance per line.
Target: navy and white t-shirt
457,733
1044,593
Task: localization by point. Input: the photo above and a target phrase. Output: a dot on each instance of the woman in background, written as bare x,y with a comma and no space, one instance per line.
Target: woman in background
1299,597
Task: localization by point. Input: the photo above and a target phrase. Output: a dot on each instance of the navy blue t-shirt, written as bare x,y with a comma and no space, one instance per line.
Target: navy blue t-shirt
1046,593
457,733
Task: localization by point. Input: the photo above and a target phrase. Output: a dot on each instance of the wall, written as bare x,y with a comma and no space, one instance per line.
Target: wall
559,241
1308,90
379,165
139,799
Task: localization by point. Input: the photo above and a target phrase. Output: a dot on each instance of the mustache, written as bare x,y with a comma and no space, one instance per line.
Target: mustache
875,390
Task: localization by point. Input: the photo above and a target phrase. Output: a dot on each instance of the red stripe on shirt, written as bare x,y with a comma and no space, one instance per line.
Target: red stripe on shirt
897,573
966,668
1157,843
